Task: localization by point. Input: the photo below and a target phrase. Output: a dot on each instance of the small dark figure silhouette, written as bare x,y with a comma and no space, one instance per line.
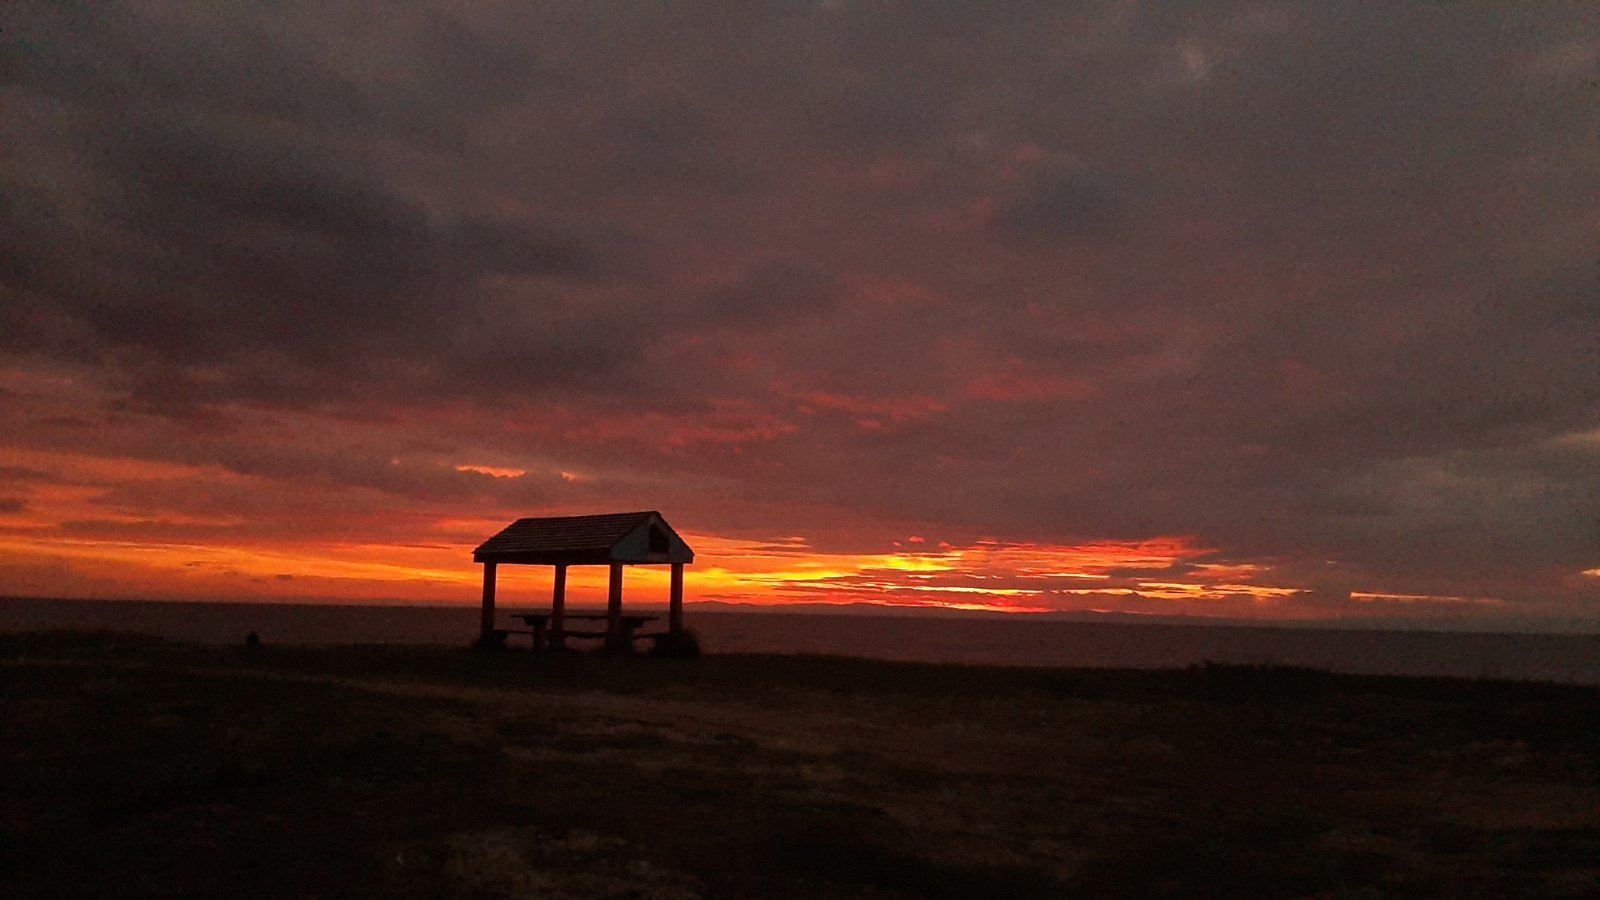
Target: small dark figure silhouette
252,641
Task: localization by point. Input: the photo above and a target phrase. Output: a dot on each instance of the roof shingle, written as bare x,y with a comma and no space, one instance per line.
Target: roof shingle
570,540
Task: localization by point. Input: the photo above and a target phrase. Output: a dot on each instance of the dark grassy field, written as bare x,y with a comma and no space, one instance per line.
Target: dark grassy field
137,768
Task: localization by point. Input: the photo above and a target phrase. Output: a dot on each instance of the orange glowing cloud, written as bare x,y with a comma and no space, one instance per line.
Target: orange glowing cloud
495,471
1380,597
985,575
111,526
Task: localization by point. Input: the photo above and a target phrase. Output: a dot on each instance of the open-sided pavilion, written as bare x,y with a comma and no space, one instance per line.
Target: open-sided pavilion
611,539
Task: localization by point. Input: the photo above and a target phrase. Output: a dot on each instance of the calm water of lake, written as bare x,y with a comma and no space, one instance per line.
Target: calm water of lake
990,641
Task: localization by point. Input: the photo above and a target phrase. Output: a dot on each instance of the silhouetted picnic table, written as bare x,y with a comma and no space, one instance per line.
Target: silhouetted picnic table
544,636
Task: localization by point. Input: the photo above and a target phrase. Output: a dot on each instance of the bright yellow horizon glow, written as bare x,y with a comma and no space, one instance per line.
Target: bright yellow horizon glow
1381,597
986,575
68,541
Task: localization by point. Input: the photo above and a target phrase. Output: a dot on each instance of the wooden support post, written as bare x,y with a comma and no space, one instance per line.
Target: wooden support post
486,628
614,609
675,603
558,609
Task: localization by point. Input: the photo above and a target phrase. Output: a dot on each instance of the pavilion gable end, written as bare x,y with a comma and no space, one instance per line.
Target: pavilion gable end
652,540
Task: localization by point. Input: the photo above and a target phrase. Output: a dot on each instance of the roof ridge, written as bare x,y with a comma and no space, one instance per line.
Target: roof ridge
611,515
591,537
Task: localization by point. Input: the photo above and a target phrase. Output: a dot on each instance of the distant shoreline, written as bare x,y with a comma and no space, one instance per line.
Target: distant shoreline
974,640
1574,628
119,643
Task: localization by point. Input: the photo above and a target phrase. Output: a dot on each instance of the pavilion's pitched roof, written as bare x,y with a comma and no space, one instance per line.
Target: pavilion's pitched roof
553,533
638,537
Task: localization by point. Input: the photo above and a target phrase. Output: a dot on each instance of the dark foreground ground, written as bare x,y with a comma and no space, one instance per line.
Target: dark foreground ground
133,767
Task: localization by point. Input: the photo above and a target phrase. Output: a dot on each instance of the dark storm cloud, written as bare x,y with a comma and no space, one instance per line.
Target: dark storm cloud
667,143
246,218
235,219
771,294
1305,283
1063,206
263,65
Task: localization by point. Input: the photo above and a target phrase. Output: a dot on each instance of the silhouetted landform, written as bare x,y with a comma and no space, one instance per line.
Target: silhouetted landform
608,539
133,766
993,639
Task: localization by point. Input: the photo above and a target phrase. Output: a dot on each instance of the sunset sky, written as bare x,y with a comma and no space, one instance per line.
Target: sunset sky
1275,311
